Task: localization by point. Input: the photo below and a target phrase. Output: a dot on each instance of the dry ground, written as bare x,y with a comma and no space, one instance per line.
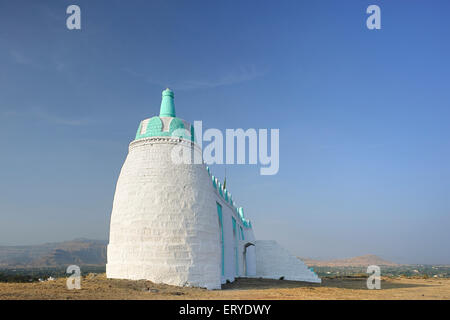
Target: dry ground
96,286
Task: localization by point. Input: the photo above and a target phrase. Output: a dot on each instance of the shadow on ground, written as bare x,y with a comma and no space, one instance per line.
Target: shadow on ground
342,283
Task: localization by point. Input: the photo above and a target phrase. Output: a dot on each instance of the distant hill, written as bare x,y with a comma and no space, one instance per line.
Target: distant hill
93,252
361,261
78,251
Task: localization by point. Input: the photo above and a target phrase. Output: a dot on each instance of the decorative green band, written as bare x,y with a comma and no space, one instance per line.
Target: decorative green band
176,129
228,198
154,127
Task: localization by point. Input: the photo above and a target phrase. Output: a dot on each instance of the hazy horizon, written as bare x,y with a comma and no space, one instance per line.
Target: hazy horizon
303,257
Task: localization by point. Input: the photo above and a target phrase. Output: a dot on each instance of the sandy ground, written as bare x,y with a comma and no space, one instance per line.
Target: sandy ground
96,286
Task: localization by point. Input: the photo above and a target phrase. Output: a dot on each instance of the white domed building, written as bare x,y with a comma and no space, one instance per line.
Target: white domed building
176,224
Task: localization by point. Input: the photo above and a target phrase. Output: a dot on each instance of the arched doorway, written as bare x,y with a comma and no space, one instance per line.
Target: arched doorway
248,244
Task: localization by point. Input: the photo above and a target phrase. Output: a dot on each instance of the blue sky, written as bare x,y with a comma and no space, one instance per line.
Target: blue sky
363,115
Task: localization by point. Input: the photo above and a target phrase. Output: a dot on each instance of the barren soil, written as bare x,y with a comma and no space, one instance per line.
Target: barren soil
96,286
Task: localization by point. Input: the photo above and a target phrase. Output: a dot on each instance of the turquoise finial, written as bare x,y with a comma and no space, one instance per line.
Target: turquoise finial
167,104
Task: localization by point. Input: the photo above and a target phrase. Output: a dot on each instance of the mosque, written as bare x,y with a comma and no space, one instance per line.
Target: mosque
177,223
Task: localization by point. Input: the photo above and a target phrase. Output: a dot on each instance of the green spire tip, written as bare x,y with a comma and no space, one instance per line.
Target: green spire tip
167,104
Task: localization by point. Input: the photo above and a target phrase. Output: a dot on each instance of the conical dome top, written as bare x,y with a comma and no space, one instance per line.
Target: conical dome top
167,104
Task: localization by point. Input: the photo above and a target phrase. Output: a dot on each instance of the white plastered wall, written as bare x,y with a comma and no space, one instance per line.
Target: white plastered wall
164,225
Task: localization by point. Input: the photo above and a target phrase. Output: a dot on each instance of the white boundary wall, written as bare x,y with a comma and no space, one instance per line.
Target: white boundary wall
274,262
